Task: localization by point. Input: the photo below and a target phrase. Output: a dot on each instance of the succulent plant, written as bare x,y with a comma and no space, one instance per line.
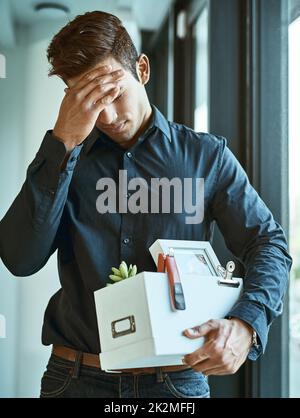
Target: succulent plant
123,272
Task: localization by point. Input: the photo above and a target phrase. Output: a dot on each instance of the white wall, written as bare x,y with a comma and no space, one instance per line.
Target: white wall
29,103
43,98
11,90
7,33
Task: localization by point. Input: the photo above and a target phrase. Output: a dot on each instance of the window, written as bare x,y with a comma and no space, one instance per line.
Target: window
201,77
294,190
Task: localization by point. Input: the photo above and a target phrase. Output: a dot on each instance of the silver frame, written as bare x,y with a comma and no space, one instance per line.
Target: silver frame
195,247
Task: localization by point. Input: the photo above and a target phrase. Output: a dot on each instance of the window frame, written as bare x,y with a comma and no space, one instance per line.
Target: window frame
267,135
248,98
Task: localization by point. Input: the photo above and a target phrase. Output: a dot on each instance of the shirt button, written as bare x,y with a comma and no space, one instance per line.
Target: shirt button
73,159
126,241
129,155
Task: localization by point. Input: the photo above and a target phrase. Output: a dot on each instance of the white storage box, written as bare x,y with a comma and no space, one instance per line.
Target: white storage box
137,326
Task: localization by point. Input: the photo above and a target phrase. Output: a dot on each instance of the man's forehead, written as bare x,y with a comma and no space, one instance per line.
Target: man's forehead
108,61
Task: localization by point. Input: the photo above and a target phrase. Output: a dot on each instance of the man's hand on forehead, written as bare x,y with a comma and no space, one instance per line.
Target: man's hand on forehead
84,101
100,76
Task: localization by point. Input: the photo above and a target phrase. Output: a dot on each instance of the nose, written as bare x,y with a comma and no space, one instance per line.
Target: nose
108,115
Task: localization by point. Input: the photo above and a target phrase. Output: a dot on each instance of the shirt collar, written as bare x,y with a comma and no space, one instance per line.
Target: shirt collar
91,139
158,120
161,123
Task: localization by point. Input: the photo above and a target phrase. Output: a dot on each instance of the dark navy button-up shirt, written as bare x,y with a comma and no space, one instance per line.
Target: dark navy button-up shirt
57,210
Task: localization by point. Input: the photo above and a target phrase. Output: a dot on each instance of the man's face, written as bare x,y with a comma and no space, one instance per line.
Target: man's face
123,119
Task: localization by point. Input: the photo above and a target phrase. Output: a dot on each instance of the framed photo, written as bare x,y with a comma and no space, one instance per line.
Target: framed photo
192,257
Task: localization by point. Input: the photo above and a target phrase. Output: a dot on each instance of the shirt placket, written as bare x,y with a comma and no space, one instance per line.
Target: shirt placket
127,223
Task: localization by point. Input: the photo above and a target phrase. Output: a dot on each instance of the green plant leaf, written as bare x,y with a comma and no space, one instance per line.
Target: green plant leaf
115,278
129,270
133,271
124,270
116,272
122,273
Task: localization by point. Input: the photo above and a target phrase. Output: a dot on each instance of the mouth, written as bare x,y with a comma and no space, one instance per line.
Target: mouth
116,128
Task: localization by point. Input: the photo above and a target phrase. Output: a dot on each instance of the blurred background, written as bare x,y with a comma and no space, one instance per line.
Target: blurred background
230,67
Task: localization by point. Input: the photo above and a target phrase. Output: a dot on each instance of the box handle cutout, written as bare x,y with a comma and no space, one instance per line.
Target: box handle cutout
123,326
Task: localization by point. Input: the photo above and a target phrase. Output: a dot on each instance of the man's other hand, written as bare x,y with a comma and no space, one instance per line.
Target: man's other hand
226,347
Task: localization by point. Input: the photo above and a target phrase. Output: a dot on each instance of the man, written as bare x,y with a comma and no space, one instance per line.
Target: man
106,124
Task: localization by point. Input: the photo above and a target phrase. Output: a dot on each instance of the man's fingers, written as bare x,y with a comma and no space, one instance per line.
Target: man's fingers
97,72
210,366
99,82
193,333
215,371
223,351
219,371
114,77
200,330
99,93
111,77
195,357
207,364
89,77
104,101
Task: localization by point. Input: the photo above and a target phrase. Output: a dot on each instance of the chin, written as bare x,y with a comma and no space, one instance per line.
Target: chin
120,137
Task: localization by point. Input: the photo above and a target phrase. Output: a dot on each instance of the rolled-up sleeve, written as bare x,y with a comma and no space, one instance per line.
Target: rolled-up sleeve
258,242
30,227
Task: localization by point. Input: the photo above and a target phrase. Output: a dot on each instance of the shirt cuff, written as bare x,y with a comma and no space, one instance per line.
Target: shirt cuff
55,152
254,314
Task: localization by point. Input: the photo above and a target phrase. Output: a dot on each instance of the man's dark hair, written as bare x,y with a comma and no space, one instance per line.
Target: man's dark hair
86,41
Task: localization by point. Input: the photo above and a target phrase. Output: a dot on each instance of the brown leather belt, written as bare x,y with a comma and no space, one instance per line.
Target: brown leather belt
93,360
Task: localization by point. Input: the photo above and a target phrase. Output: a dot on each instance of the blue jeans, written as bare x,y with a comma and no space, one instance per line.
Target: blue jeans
64,379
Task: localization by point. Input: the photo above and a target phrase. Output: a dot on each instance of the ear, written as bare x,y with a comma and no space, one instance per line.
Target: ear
143,69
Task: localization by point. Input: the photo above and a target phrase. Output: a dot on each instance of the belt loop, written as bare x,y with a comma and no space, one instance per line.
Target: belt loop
159,375
77,364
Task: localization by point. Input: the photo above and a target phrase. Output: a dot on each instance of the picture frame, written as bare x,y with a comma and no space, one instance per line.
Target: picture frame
192,257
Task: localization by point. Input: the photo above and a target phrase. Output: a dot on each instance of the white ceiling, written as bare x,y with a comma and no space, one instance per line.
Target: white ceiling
147,13
136,14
